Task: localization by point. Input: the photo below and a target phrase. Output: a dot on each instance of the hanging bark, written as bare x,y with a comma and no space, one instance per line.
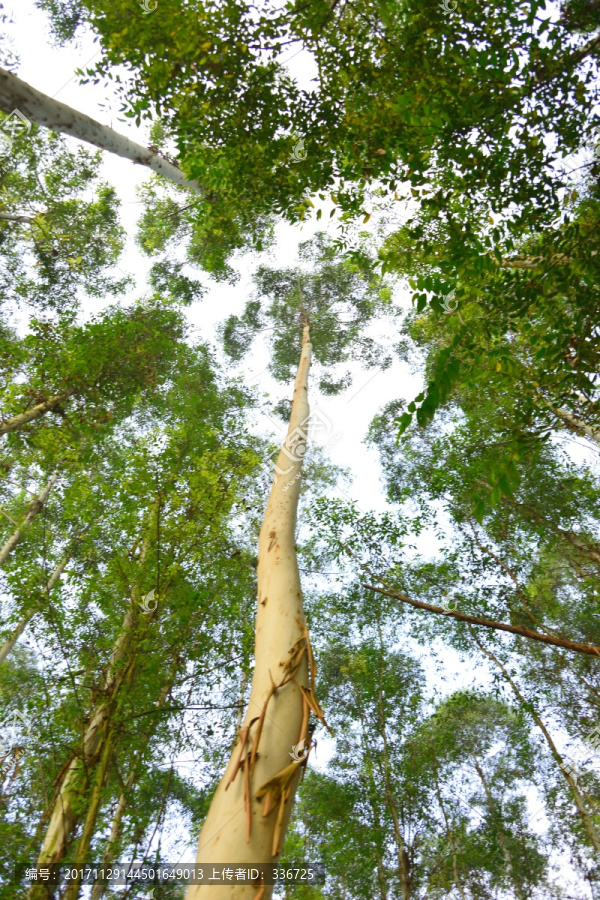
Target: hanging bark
20,628
34,509
565,643
585,816
248,816
16,422
50,113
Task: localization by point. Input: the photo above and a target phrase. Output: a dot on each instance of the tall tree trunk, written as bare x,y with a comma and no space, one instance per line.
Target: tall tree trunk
18,631
108,857
516,880
450,836
50,113
89,826
404,868
16,422
587,821
34,509
69,801
249,813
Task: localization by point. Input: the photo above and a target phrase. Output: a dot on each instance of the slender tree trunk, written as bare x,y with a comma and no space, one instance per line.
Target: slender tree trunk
248,816
108,857
18,631
34,509
517,883
70,798
374,798
50,113
16,422
85,841
404,872
455,869
587,821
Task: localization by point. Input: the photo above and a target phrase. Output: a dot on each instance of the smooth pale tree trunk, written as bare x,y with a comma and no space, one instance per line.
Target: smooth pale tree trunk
50,113
249,813
18,631
579,802
16,422
34,509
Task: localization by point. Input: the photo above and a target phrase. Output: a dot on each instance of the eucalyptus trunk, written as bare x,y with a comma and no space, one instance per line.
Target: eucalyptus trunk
8,645
17,95
40,409
34,508
248,816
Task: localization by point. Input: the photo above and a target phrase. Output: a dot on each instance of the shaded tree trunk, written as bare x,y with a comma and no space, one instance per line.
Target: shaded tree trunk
517,883
450,836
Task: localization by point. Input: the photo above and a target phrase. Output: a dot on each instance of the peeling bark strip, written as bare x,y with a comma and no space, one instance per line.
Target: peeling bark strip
50,113
565,643
239,828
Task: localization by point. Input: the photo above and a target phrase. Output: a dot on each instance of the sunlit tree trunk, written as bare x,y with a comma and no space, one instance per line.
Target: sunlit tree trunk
248,816
16,422
34,509
50,113
20,628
